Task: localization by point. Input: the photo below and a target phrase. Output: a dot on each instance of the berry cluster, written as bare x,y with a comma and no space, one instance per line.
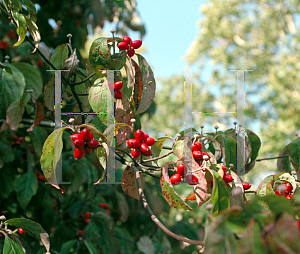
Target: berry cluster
140,145
181,172
129,45
105,206
285,189
84,143
17,140
198,154
118,85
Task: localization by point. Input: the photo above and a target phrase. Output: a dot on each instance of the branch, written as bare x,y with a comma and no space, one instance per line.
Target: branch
271,158
84,80
159,157
153,217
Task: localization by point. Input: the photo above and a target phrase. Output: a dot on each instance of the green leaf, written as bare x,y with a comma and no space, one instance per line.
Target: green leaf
149,85
222,139
11,88
11,247
49,94
26,187
91,248
51,154
32,228
294,151
278,204
59,56
6,68
169,192
102,156
99,95
158,145
181,149
34,31
255,144
252,241
284,164
66,247
100,57
30,7
219,239
7,176
77,209
123,207
32,77
16,110
220,194
21,27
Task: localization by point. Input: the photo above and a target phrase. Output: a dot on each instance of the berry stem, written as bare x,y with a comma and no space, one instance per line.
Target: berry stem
159,157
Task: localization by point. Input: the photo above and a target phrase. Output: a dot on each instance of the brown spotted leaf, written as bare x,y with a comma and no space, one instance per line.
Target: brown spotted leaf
129,185
169,192
137,85
201,188
39,114
51,154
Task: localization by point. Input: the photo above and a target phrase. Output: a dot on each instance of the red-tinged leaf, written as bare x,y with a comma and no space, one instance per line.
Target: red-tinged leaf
200,189
39,114
192,196
129,185
149,85
49,94
169,192
137,85
181,149
16,110
32,228
51,154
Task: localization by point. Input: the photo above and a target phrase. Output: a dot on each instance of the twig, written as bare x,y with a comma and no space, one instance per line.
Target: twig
159,157
84,80
271,158
153,217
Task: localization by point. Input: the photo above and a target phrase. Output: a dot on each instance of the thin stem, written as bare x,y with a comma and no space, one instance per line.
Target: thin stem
159,157
153,217
271,158
84,80
79,103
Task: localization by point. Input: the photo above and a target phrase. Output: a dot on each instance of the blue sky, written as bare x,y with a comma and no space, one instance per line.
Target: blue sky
170,29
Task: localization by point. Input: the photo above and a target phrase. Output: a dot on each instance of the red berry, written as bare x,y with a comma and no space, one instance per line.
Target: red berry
75,136
246,185
93,143
144,148
146,136
136,44
101,205
298,223
118,94
123,45
197,143
15,137
87,215
195,147
139,135
3,44
40,63
197,155
18,142
12,143
288,187
135,153
289,196
21,139
175,179
147,153
79,153
118,85
80,233
88,151
78,143
108,211
133,143
84,134
191,179
181,169
131,52
106,205
278,193
227,178
127,39
91,135
149,141
21,231
87,220
11,34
